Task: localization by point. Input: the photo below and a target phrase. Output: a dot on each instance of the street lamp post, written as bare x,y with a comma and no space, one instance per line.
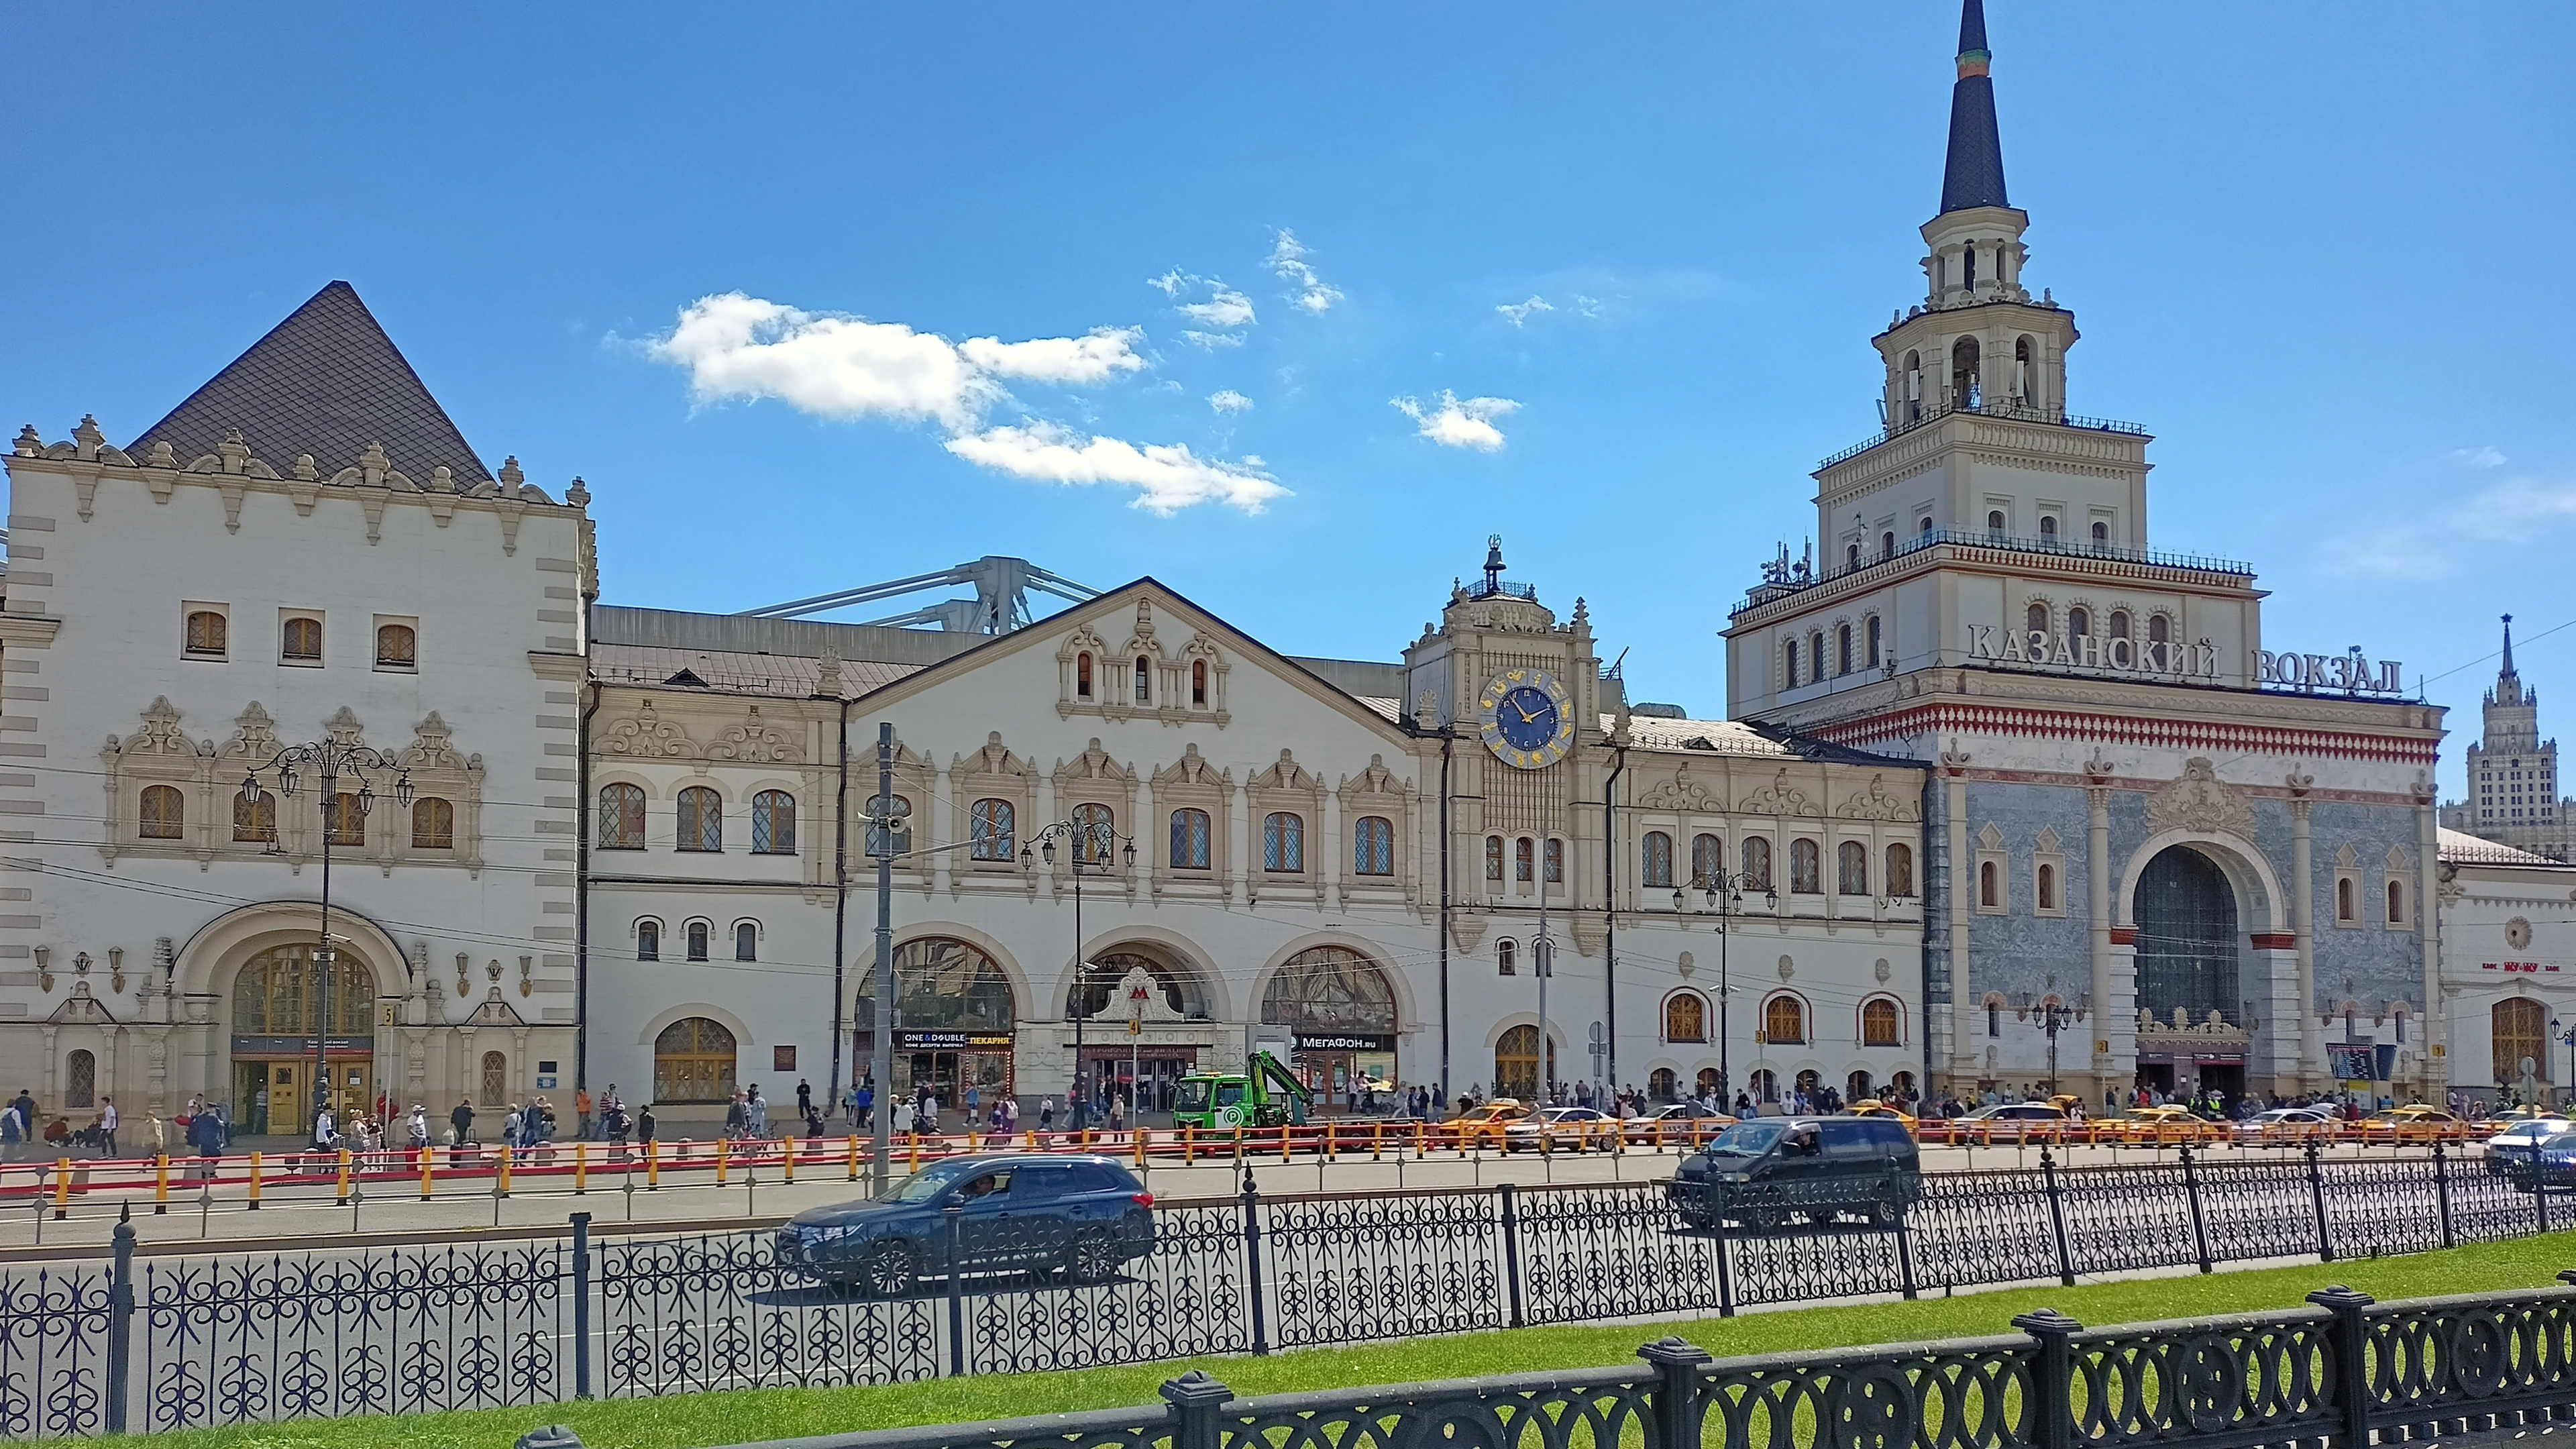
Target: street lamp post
1725,892
329,759
2567,1035
1092,841
2054,1016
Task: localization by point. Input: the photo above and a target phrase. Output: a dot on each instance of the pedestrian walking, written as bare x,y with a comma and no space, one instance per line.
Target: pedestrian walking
759,1113
13,1134
581,1109
612,1111
644,1124
804,1098
863,1106
903,1118
1046,1115
416,1129
462,1121
737,1116
107,1121
157,1132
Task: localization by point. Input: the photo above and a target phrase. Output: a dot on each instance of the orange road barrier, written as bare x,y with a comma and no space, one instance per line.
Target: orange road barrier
1283,1142
1141,1135
791,1159
161,1182
916,1152
340,1176
62,1188
1189,1138
581,1167
854,1157
427,1157
501,1184
254,1182
652,1166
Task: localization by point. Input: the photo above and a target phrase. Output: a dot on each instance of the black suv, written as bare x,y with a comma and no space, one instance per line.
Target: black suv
1081,1217
1764,1170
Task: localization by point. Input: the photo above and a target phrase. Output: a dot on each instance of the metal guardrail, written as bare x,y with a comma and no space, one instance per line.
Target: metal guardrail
1999,408
2337,1373
243,1338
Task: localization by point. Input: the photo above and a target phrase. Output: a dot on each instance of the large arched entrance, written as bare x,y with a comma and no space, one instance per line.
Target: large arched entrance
1147,1073
277,1002
1516,1063
694,1060
2518,1032
954,1023
2188,957
1340,1009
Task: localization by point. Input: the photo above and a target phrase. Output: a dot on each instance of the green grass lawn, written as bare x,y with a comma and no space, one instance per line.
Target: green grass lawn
697,1420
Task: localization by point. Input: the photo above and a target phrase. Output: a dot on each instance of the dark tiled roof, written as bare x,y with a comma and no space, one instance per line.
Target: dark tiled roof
1974,174
326,381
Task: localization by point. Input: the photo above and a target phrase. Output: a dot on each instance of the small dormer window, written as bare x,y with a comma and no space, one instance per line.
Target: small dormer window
1082,676
1198,681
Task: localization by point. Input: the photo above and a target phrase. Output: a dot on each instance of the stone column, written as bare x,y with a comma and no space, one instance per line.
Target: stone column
2097,869
1046,816
1238,843
1333,846
2303,933
2433,1052
1148,845
1963,1065
943,831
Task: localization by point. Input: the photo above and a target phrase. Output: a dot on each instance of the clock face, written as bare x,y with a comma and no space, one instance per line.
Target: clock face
1527,718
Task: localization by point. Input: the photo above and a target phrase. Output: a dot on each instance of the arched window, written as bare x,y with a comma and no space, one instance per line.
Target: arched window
1524,860
1784,1019
1851,868
2397,903
648,940
2021,355
1373,846
621,817
1968,269
1924,530
1662,1085
1966,388
1843,649
1516,1072
2159,629
1330,990
2079,622
207,632
1851,556
2101,535
495,1079
1900,870
1555,856
1198,681
1816,657
2048,528
1873,641
1144,680
746,941
1994,1019
255,821
697,940
1082,675
1856,1086
992,826
1789,657
1283,842
275,995
1806,867
2035,619
2119,623
701,819
1879,1024
1887,544
773,823
1757,863
693,1061
1995,522
344,819
80,1080
1658,860
397,647
1494,858
1708,861
1095,834
1685,1017
1189,840
2518,1032
301,640
433,824
1507,953
2047,886
943,984
2344,908
1990,891
165,812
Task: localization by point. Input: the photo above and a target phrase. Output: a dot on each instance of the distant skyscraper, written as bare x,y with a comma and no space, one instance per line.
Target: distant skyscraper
2513,772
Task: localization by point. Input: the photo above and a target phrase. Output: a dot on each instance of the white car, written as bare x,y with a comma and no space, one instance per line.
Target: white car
2285,1124
2520,1142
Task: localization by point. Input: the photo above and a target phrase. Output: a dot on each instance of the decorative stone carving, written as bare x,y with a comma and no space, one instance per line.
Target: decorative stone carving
1681,792
754,741
1094,763
1779,798
345,729
1191,768
1687,965
254,736
2200,802
1287,774
645,735
1875,803
1590,933
1788,968
160,735
1466,929
1377,779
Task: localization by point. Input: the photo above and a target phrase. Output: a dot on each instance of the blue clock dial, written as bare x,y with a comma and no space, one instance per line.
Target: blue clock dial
1526,718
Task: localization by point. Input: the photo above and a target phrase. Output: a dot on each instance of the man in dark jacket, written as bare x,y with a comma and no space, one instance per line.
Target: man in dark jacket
462,1119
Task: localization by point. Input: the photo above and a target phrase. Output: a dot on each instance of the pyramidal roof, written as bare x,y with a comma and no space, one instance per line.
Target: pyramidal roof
326,381
1973,174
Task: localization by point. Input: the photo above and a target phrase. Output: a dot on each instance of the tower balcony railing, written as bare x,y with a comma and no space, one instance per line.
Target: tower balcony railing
1781,581
2017,409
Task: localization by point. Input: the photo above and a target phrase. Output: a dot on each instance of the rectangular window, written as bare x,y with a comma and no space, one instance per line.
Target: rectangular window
299,637
397,643
206,631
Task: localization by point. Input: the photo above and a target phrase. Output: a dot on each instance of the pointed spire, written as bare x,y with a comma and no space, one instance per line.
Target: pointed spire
2507,671
1974,175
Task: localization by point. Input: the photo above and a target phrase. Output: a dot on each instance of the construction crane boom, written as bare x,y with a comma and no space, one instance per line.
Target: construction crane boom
1000,605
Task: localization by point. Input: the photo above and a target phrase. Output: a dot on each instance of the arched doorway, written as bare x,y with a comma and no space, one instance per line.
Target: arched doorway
1147,1073
277,1003
693,1061
954,1024
1341,1010
2188,959
2519,1031
1662,1084
1516,1063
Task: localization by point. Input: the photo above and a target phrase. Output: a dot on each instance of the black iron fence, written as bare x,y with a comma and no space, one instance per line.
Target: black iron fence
2337,1373
185,1342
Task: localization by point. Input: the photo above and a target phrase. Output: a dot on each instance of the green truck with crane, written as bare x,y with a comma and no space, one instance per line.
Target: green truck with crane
1264,1094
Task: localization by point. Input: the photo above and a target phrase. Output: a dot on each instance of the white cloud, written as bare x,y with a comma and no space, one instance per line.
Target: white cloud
1227,400
1518,313
739,347
1167,479
1455,422
2518,511
1070,361
1227,308
1171,283
1213,339
1586,306
2485,455
1308,290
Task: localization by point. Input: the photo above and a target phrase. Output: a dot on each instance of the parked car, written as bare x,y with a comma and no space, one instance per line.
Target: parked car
1563,1129
2551,1165
2519,1143
1676,1123
1078,1216
2167,1126
1872,1107
2011,1122
1762,1172
1483,1124
2414,1122
2286,1124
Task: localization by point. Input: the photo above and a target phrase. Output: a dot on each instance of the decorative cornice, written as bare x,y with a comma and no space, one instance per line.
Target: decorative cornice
2025,722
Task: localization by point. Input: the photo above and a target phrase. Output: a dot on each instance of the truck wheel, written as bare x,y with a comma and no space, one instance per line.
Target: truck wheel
891,1270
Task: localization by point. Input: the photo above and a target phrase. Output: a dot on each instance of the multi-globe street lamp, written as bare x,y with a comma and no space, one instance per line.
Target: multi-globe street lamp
328,759
1093,840
1725,892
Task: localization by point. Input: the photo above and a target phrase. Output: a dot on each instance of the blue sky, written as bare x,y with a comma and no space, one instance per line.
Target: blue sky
2319,250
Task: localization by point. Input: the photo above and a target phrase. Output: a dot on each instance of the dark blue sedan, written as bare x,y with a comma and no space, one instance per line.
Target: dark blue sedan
1081,1218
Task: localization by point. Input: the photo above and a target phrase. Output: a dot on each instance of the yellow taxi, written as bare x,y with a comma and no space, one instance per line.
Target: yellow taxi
1872,1107
2167,1125
1485,1124
2414,1122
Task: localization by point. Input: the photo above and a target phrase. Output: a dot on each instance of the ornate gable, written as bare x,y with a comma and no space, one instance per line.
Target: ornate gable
254,736
2200,802
1681,792
1876,803
1192,771
345,729
755,741
431,748
1288,775
1377,779
160,737
992,759
1093,764
1779,798
645,735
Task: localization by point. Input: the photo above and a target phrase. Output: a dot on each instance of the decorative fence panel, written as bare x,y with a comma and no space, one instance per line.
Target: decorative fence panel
1393,1265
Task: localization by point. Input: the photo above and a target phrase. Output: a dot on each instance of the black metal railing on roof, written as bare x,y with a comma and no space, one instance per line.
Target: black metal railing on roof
1488,588
1784,583
1930,412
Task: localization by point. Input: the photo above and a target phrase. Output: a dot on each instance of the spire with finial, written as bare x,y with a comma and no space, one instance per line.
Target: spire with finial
1974,175
2508,645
